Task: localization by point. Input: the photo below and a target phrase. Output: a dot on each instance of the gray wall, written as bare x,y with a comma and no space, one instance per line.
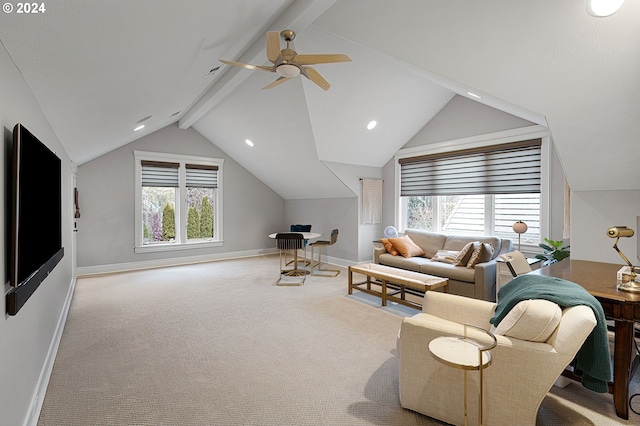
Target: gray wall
27,339
106,235
324,215
462,118
592,212
106,185
351,176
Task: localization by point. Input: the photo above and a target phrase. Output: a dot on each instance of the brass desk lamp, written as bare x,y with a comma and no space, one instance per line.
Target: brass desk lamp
617,232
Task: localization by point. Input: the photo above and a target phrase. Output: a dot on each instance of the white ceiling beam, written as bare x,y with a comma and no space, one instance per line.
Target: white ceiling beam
297,17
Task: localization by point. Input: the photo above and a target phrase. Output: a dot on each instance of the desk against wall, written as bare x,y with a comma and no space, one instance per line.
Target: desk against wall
623,307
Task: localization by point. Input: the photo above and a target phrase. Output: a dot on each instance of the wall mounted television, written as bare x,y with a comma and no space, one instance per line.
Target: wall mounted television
35,216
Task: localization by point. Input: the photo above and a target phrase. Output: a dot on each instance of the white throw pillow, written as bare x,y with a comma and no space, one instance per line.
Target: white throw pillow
533,320
446,256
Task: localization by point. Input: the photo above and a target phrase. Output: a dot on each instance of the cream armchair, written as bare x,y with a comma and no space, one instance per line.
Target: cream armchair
515,383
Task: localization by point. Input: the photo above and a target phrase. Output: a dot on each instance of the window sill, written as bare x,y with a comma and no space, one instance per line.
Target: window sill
154,248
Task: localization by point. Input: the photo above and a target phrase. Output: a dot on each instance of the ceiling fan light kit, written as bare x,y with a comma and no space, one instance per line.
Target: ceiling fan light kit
288,64
288,71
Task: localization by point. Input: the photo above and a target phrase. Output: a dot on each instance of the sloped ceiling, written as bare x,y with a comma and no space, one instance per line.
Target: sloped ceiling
99,67
548,57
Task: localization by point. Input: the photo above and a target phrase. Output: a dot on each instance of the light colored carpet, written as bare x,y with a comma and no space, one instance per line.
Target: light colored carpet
219,344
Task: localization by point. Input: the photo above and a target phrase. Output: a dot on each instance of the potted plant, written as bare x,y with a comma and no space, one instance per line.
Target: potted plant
554,252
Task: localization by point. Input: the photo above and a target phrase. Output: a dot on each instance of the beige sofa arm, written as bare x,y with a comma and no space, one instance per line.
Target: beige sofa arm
485,280
378,249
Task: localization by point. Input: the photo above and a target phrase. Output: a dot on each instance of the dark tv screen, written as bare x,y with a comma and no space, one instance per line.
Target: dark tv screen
36,216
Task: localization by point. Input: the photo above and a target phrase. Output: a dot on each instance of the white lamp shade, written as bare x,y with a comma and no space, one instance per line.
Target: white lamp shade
520,227
288,70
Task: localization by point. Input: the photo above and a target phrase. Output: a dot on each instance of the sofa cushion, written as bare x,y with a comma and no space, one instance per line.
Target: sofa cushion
533,320
457,242
430,242
406,247
456,273
482,253
446,256
411,264
465,253
389,247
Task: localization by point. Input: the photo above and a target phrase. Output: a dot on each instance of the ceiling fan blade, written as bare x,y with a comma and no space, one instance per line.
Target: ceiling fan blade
247,66
273,45
278,82
321,59
315,76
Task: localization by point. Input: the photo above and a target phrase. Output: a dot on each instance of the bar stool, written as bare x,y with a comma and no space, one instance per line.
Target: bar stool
290,242
302,228
319,245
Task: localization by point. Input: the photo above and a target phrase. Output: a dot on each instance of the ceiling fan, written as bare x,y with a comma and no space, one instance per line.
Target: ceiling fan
288,64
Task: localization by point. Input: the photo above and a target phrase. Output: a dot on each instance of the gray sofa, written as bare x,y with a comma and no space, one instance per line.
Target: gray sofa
478,282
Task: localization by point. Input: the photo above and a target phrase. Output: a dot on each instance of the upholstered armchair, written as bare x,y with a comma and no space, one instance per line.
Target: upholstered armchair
521,374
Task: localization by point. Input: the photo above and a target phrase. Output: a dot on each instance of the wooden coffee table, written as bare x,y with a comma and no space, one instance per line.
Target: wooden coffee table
394,282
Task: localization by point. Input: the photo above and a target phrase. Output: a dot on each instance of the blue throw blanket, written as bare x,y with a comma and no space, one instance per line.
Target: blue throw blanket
593,360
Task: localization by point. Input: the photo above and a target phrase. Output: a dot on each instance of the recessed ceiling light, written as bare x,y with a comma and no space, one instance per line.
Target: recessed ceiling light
602,8
142,120
372,124
140,127
473,95
248,142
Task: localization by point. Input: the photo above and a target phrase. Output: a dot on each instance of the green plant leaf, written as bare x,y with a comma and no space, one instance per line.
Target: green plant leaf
546,247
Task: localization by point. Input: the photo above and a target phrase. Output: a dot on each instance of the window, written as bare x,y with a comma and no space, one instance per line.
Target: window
481,190
178,202
474,214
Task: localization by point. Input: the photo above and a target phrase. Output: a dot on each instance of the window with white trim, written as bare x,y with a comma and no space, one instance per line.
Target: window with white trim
482,190
178,201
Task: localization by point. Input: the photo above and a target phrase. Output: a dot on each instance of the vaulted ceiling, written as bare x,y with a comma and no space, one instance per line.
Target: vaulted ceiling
98,68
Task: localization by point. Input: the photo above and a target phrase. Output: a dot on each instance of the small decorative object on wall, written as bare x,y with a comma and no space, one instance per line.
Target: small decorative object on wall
75,200
520,228
622,231
371,200
553,252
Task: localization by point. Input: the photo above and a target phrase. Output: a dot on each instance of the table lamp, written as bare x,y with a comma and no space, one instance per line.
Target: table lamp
617,232
520,228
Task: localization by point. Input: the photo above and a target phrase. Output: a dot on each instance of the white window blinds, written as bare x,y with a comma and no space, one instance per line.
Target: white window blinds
512,168
202,176
160,173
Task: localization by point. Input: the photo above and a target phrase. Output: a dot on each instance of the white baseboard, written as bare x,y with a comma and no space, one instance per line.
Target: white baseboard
336,261
173,261
37,398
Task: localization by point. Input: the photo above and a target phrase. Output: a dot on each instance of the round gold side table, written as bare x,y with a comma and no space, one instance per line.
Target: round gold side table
465,354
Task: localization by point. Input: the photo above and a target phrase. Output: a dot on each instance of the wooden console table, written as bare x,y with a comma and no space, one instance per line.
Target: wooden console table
623,307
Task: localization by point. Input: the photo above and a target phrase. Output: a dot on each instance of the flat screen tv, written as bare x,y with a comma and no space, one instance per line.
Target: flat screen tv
35,216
